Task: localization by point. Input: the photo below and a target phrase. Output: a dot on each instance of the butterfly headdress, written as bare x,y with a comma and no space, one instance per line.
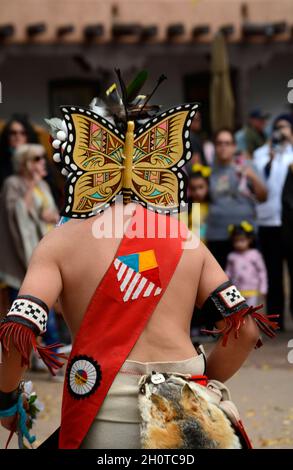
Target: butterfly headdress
129,150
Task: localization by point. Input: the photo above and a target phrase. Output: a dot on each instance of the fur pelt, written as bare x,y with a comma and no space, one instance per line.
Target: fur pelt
178,414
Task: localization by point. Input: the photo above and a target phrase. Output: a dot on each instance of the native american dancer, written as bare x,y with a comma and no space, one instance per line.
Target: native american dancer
134,379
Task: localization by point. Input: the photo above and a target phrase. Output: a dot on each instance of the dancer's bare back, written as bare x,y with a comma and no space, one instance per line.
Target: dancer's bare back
69,263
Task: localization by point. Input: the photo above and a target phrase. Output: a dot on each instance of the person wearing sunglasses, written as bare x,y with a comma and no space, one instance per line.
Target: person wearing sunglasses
27,213
17,131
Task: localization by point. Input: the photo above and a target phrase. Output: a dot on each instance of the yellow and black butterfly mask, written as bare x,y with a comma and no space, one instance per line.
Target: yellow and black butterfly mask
144,165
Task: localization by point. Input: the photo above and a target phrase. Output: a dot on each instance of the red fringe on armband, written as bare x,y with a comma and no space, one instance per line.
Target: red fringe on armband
24,340
236,320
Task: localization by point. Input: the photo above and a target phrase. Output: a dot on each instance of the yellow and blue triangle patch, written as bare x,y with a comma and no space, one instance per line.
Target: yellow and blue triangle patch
141,261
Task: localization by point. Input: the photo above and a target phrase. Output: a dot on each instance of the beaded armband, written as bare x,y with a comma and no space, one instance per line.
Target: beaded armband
226,303
30,311
27,319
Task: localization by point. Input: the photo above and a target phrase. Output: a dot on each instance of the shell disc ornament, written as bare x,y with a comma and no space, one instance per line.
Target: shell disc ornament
83,376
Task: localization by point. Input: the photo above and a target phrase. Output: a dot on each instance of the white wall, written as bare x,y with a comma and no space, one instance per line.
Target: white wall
268,85
25,80
25,84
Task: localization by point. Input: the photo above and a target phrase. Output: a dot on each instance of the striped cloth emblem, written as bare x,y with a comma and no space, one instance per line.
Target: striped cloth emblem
138,275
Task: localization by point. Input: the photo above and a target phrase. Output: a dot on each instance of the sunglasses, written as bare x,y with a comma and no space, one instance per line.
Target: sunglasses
282,126
38,158
224,142
15,132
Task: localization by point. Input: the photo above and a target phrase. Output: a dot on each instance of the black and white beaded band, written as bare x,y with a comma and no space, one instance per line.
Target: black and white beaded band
29,311
223,302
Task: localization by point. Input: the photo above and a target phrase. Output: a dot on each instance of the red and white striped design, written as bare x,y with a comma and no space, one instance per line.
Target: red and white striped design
134,284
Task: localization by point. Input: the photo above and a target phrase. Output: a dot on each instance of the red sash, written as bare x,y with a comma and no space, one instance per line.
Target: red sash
116,316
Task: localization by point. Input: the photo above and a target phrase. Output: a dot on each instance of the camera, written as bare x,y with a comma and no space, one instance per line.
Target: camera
277,138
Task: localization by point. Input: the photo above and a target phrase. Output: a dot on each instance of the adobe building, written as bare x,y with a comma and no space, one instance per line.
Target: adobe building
64,51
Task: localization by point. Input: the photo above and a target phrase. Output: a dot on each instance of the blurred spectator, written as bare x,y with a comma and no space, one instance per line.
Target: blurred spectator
234,190
245,265
16,132
272,161
198,189
253,135
202,148
198,155
287,228
27,212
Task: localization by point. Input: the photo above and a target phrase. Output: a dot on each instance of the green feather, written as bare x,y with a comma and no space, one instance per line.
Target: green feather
136,85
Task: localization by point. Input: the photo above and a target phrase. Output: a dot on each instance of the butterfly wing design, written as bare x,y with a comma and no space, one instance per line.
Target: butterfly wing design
161,149
93,156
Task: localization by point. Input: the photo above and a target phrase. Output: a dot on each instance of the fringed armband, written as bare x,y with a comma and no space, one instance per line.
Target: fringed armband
27,319
226,303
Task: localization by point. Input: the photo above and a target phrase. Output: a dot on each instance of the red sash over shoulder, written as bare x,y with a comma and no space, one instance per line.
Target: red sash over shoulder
116,316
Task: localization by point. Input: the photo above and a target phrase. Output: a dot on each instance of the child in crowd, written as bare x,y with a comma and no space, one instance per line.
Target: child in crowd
199,193
245,265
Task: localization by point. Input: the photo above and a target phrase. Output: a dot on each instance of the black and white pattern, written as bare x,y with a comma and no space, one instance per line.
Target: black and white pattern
231,296
29,311
83,376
